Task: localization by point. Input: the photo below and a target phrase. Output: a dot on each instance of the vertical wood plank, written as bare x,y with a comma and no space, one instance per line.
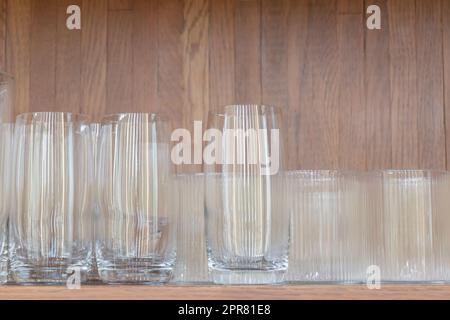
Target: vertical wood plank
170,59
221,56
402,24
430,95
248,51
3,35
446,56
195,40
145,55
114,5
94,58
320,123
43,56
378,92
68,61
299,95
274,52
119,97
195,61
274,61
18,50
352,110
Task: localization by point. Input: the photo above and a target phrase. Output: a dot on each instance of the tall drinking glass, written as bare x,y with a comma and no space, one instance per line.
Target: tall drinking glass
247,226
51,221
136,228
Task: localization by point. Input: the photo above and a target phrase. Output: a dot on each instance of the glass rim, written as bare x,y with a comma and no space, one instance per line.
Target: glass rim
72,117
114,117
221,111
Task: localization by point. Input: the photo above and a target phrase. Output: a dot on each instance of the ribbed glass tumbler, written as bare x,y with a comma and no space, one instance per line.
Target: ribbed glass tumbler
136,228
335,219
51,221
247,226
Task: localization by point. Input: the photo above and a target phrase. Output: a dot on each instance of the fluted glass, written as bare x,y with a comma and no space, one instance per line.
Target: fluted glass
136,227
415,226
51,218
334,225
247,230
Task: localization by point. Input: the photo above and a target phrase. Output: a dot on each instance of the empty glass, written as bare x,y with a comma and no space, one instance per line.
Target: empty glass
136,228
335,223
51,218
415,226
247,226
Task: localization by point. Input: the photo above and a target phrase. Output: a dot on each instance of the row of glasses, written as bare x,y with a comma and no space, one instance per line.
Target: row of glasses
263,224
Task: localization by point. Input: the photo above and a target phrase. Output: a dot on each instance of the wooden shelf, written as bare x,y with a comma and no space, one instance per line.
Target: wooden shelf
297,292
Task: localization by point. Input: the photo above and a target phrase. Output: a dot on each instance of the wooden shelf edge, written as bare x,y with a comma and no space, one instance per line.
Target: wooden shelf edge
297,292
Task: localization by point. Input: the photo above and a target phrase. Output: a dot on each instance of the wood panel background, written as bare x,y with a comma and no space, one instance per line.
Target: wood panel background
353,98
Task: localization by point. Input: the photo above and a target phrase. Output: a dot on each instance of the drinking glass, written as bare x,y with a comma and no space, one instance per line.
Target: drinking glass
247,226
415,226
136,229
51,218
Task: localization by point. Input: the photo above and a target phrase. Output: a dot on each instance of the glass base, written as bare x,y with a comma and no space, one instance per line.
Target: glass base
53,271
3,272
255,277
152,276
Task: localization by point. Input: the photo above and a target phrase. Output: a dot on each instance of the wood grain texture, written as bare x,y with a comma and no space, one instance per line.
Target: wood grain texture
321,118
446,62
119,97
170,59
378,92
248,52
68,61
404,103
430,85
43,55
145,56
300,292
298,94
18,50
353,98
3,16
94,53
351,104
221,53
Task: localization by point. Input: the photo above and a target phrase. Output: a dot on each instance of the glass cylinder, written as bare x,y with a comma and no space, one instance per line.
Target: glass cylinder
247,229
415,226
51,218
335,219
136,228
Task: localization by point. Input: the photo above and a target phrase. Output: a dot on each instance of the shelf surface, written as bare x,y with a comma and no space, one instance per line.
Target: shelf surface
297,292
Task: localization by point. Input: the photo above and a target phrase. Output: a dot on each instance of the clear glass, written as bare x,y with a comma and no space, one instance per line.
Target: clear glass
51,218
192,261
136,228
6,134
334,225
416,221
247,229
